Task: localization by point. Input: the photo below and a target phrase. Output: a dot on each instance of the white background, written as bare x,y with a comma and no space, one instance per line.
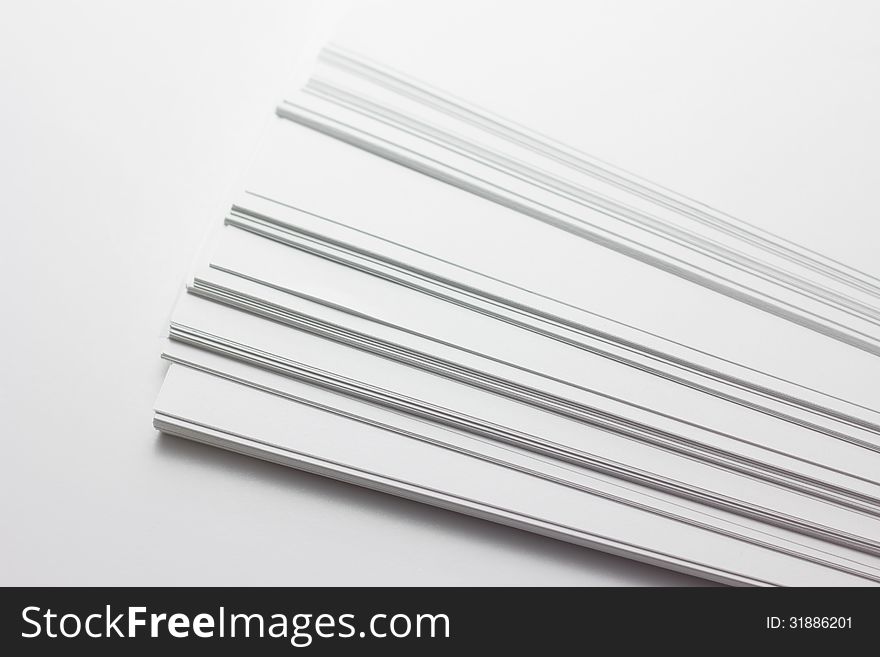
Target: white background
123,128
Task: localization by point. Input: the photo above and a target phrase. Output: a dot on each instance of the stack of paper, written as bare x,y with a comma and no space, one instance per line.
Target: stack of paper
509,328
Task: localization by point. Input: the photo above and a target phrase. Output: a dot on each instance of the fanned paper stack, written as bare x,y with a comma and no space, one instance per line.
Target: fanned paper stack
417,296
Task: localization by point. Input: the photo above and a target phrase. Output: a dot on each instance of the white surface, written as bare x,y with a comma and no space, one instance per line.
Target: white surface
112,171
764,109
